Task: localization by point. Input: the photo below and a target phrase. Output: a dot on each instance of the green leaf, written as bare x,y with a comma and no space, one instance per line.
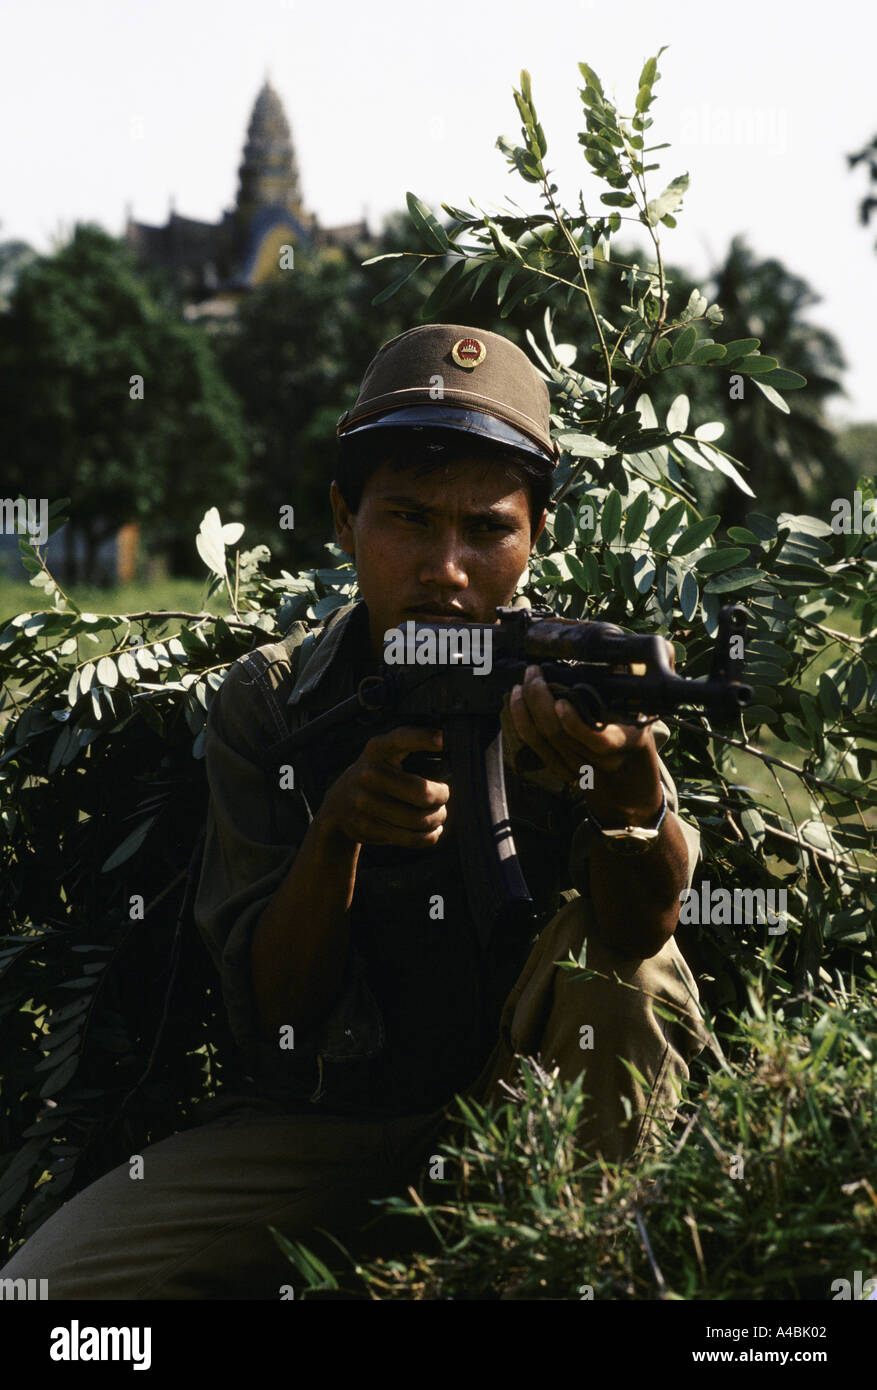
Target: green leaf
649,72
773,396
107,672
666,525
583,573
721,559
327,605
696,305
707,352
740,347
857,683
429,227
753,825
755,363
389,290
683,344
644,97
564,525
689,595
732,581
61,749
668,201
764,527
583,445
591,78
506,276
610,516
59,1078
695,535
128,847
829,696
209,542
677,415
145,659
636,517
742,534
785,380
618,200
724,465
503,245
644,570
647,412
127,666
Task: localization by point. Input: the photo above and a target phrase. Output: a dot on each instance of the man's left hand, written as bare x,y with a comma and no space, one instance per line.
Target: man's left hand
627,781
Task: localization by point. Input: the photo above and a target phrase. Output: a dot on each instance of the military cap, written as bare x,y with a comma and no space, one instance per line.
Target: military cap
448,376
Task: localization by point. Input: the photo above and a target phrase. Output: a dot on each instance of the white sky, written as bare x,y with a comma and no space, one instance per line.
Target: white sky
106,102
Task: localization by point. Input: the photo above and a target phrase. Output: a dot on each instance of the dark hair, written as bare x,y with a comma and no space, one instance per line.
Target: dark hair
426,450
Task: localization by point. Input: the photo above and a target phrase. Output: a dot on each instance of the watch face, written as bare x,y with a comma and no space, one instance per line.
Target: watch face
635,841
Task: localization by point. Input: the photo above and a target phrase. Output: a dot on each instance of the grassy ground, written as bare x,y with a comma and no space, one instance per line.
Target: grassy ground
183,595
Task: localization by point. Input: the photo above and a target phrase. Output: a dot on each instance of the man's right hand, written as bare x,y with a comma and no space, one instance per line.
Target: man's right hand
376,802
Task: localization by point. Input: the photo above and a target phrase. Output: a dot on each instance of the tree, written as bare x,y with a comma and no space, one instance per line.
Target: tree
868,157
111,400
14,256
794,458
295,359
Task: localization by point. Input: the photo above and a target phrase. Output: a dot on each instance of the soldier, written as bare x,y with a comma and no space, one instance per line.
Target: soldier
360,991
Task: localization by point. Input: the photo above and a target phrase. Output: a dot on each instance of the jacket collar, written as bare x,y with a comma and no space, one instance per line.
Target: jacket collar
341,646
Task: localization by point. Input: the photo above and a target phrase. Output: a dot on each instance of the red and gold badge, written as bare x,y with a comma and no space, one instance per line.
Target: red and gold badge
469,352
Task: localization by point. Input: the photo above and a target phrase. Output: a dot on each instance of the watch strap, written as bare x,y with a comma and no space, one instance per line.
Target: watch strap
630,839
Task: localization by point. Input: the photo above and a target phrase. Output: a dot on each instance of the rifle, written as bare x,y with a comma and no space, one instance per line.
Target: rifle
579,660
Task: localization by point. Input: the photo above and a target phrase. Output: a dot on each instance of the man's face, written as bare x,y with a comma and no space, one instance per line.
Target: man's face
451,544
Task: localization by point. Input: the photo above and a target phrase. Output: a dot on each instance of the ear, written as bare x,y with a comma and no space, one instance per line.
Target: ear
540,527
343,517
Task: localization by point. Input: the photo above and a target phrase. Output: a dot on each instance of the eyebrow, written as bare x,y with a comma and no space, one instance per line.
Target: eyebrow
497,512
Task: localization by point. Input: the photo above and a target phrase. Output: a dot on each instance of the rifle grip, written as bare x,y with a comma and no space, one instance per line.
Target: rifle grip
431,766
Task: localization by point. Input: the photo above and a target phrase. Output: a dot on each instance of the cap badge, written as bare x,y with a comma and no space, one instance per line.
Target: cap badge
469,352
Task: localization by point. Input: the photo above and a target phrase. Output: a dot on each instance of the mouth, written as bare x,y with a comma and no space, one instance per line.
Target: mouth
438,615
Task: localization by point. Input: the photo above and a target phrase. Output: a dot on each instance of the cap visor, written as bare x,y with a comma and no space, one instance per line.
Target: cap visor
449,417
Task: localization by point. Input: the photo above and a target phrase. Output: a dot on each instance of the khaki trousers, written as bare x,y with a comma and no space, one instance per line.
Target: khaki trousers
195,1225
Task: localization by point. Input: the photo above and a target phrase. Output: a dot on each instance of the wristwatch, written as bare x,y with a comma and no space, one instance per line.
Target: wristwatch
631,839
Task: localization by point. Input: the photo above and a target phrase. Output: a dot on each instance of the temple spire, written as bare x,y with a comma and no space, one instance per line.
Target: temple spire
269,170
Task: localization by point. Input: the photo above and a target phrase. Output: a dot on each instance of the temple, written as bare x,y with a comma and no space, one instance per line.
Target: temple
213,265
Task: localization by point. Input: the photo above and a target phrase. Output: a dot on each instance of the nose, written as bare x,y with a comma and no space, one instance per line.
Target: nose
443,564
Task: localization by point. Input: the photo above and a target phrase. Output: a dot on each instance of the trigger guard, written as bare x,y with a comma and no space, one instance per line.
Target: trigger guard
595,717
